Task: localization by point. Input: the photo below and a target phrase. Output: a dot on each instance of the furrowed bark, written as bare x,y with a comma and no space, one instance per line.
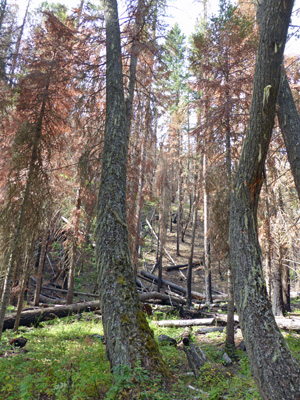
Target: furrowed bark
276,373
289,121
129,339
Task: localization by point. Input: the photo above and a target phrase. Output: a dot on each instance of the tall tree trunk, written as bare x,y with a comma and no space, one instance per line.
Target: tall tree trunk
286,287
40,267
207,267
289,122
179,187
190,266
274,369
18,44
25,277
129,339
230,345
267,223
73,249
277,300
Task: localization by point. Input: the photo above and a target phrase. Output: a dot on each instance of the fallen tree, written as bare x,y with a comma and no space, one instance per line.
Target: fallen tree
33,317
186,322
36,315
160,296
195,295
178,266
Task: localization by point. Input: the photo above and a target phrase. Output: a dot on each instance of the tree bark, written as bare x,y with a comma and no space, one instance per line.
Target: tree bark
24,281
207,267
73,249
229,345
275,371
129,339
190,265
286,288
39,275
289,122
277,299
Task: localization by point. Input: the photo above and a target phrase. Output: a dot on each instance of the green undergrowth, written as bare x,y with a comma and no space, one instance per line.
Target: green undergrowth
62,360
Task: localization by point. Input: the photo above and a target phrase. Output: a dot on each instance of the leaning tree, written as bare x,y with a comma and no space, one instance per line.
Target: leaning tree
275,371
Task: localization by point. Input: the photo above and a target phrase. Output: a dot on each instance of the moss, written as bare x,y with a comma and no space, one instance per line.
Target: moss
121,280
125,319
157,364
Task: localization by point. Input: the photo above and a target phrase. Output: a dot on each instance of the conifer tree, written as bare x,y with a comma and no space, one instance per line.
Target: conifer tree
275,371
129,340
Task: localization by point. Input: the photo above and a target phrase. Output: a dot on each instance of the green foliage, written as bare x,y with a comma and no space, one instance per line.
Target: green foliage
64,361
135,384
173,70
58,9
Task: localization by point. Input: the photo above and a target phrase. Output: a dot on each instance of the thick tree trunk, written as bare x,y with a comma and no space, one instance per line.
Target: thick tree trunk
275,371
229,345
129,339
289,121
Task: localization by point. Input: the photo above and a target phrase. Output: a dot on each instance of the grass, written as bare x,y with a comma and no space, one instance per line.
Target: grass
63,361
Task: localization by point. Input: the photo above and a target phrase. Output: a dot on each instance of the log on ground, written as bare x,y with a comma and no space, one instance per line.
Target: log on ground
186,322
290,324
173,286
33,317
178,266
161,296
207,329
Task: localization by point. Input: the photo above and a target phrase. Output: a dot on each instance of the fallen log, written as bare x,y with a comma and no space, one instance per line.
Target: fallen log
176,267
55,289
285,323
160,296
33,317
290,324
50,300
223,318
186,322
207,329
173,286
219,317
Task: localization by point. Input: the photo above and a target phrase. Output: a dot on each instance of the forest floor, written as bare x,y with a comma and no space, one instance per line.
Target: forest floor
65,359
